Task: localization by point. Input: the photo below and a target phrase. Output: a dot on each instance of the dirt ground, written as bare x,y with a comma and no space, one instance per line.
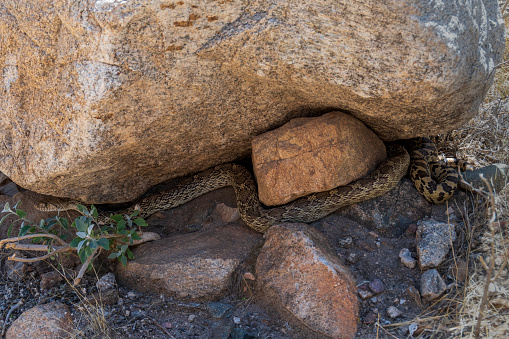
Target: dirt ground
367,237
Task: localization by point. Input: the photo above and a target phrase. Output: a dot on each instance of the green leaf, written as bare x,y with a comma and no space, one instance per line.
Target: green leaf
94,211
123,248
117,218
82,209
130,254
89,230
120,225
81,234
135,213
93,244
140,222
7,208
113,255
135,236
123,260
104,243
9,231
21,213
64,223
83,256
41,223
74,243
4,217
80,245
24,230
80,225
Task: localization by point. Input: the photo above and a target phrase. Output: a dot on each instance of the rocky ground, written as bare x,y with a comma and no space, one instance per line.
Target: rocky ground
368,238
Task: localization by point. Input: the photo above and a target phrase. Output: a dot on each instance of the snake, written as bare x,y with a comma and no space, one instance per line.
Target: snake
306,209
435,178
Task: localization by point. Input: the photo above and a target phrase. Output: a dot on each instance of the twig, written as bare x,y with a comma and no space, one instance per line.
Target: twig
161,327
13,308
84,266
477,329
31,236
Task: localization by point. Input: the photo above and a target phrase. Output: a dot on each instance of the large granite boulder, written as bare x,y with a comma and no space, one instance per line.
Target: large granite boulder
102,99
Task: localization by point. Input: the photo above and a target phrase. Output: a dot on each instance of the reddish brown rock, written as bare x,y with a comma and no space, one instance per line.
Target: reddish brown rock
189,266
313,155
228,214
304,279
48,321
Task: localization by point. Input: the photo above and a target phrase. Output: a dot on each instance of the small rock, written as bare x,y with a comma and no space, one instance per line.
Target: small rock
373,300
219,310
411,229
346,242
106,282
414,293
228,214
131,294
15,270
352,258
377,286
393,312
406,258
9,189
191,318
370,318
167,324
434,240
432,284
52,320
496,174
236,320
364,294
50,280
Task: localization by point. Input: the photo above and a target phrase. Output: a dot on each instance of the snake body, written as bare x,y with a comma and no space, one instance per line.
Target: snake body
435,179
306,209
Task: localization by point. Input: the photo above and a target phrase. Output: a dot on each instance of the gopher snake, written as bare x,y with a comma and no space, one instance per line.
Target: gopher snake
306,209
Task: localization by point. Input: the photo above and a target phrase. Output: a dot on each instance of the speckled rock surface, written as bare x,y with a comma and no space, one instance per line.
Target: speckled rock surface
47,321
304,279
102,99
309,155
195,266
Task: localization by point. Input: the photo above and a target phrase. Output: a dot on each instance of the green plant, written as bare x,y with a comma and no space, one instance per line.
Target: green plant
116,235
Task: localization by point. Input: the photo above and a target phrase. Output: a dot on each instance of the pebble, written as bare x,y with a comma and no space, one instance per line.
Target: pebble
432,284
106,282
236,320
219,310
414,293
167,324
131,294
370,318
191,318
406,258
393,312
377,286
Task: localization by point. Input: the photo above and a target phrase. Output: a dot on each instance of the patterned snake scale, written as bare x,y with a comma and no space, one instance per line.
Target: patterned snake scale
306,209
